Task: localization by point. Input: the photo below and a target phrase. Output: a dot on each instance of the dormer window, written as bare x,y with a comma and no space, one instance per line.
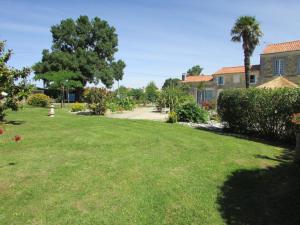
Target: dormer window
279,67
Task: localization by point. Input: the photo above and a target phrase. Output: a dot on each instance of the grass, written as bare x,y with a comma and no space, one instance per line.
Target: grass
93,170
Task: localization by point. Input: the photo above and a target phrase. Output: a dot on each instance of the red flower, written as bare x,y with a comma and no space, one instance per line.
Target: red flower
17,138
1,131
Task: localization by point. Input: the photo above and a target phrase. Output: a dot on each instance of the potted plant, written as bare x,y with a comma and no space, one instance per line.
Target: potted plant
296,121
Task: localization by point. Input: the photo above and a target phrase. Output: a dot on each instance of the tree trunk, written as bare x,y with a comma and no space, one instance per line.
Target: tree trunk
68,95
297,149
247,67
118,89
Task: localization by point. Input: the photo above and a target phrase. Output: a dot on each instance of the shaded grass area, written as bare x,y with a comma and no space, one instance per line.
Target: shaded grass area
93,170
263,196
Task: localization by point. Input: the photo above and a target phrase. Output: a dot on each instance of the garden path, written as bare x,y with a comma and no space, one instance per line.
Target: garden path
144,113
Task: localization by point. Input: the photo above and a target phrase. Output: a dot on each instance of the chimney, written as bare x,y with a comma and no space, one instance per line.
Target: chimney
183,76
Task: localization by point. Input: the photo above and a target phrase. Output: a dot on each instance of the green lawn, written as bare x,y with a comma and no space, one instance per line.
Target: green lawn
74,169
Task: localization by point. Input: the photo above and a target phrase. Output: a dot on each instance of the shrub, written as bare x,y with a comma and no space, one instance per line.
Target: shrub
161,101
113,106
120,104
172,97
191,112
77,107
96,99
126,103
264,112
172,117
40,100
213,115
138,95
14,87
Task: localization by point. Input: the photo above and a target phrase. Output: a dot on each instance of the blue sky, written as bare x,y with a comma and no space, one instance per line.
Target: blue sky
157,39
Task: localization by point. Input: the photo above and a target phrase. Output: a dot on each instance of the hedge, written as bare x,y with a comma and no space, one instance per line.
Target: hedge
263,112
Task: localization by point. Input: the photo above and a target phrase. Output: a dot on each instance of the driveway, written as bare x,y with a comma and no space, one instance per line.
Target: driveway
140,113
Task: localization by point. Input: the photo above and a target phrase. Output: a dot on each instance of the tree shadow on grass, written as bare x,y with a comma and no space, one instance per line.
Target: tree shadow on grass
269,196
249,137
8,164
14,122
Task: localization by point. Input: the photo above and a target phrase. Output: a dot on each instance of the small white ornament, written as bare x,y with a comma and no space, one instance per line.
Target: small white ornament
51,111
4,94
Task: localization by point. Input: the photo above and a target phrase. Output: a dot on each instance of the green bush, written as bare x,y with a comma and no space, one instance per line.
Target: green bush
264,112
172,97
172,117
126,103
77,107
138,95
191,112
96,98
119,104
113,106
40,100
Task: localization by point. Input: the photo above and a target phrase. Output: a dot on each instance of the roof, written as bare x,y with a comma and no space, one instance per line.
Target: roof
279,82
235,69
200,78
282,47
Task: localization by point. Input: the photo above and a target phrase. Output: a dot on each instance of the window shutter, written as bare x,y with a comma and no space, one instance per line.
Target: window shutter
274,67
284,65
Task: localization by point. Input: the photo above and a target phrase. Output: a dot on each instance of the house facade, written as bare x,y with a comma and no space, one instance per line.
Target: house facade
203,93
282,59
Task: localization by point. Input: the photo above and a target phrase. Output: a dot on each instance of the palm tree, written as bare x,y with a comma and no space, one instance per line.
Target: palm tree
247,29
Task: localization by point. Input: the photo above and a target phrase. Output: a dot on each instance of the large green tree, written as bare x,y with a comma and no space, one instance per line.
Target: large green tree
13,84
83,46
247,30
137,94
195,71
151,92
171,82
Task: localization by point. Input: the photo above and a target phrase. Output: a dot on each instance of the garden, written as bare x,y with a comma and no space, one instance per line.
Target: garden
86,169
68,163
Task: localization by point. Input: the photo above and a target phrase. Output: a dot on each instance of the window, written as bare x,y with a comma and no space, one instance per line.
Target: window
236,79
220,80
252,79
279,67
209,95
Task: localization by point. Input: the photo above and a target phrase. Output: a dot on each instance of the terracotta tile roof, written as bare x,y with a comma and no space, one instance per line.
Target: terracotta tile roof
236,69
279,82
282,47
200,78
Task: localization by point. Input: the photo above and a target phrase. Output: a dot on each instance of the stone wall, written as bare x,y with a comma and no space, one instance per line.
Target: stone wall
229,80
291,64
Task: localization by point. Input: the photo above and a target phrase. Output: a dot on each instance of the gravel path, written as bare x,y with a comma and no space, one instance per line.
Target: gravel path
142,113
